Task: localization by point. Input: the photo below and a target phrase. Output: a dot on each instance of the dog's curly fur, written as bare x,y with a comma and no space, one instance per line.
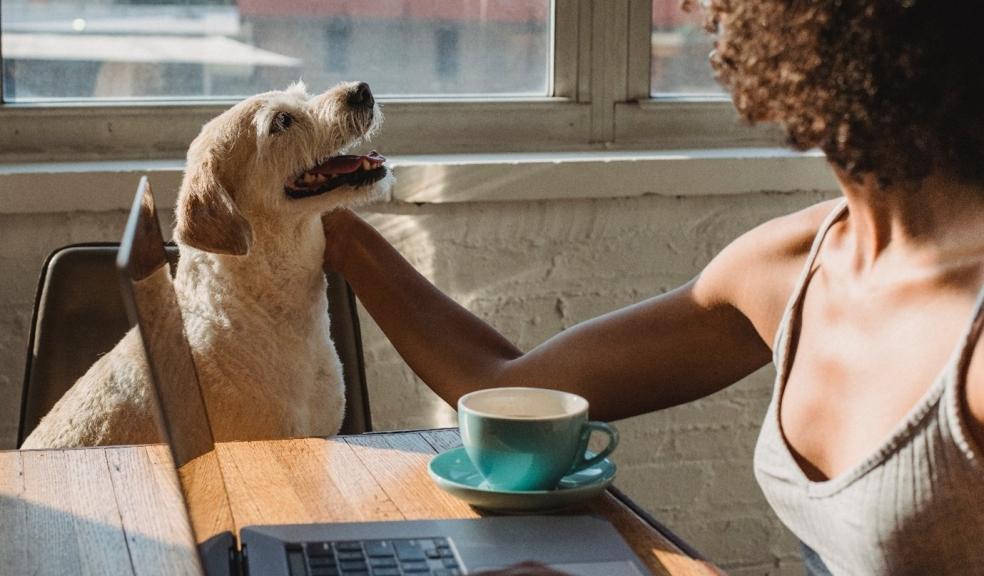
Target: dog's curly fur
249,282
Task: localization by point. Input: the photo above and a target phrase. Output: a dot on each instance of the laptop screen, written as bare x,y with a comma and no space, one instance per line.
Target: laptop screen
152,302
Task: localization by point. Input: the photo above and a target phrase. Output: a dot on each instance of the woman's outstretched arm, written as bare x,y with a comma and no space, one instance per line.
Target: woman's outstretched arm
664,351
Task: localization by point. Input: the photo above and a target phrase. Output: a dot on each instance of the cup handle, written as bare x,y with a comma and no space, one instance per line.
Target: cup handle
582,447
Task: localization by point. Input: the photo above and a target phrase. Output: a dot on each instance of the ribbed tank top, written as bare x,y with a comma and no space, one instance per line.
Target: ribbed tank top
913,506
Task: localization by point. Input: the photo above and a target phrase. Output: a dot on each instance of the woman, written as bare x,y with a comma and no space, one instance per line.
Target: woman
870,305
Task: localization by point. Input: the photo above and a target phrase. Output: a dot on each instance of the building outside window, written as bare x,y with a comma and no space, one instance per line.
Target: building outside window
446,43
338,44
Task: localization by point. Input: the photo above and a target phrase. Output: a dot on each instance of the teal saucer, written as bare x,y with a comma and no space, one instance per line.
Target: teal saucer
454,473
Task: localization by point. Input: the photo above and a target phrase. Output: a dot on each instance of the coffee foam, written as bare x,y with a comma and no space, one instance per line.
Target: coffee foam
524,403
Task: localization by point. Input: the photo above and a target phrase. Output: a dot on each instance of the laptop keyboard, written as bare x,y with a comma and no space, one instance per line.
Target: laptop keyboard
401,557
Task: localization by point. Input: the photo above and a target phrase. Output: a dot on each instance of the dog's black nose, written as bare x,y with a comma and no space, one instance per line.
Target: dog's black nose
361,96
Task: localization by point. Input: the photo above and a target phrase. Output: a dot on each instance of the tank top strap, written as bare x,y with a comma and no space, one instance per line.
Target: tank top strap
969,340
955,383
797,296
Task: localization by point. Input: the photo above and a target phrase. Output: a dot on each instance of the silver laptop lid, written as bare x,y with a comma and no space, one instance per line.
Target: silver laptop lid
152,304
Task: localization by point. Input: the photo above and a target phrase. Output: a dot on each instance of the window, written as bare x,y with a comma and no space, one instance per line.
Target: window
525,75
680,45
72,49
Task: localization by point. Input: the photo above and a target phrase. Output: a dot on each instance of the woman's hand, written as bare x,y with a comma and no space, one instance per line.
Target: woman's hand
338,225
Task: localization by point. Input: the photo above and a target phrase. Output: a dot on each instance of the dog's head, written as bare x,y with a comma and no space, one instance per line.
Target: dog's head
275,157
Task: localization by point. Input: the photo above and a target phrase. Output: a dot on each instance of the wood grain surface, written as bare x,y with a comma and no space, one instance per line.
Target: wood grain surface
119,510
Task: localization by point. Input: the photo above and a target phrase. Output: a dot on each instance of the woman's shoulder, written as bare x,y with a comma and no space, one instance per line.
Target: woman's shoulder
758,271
788,237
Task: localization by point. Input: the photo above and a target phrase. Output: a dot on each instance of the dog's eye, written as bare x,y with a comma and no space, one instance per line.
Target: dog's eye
281,122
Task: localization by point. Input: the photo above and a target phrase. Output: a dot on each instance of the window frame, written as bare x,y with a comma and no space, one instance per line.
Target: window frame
592,105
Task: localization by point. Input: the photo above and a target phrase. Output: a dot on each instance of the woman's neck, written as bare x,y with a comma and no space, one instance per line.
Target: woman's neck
938,223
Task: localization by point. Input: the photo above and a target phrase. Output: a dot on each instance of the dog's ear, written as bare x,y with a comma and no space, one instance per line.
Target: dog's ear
208,218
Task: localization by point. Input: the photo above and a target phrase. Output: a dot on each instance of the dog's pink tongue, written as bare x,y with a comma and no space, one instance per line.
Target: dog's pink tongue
348,163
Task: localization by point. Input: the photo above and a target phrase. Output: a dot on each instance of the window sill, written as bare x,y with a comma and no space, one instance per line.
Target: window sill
102,186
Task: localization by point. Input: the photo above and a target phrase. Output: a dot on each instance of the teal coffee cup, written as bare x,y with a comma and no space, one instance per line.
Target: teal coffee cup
523,439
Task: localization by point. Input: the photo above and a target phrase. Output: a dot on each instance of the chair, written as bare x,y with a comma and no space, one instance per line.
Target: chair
79,316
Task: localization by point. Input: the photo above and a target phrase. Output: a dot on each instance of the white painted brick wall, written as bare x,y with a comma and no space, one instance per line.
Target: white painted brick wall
531,269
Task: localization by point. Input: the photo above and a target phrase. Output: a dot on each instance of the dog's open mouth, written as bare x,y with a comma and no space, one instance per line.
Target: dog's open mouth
336,171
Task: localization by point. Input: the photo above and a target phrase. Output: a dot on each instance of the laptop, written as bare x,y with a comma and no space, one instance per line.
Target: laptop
577,545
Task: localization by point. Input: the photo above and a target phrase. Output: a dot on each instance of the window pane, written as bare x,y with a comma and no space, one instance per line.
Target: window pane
73,49
680,46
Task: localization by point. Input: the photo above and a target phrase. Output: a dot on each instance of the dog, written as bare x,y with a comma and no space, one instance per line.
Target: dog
249,278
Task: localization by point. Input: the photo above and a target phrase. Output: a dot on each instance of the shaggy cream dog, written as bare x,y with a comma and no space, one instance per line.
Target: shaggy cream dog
249,279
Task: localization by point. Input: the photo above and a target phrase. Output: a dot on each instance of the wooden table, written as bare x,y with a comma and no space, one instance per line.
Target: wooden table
118,510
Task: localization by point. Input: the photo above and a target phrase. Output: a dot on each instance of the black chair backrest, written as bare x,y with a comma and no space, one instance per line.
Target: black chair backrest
79,315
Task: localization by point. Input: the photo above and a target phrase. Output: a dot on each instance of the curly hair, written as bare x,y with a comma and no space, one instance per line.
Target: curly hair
890,88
